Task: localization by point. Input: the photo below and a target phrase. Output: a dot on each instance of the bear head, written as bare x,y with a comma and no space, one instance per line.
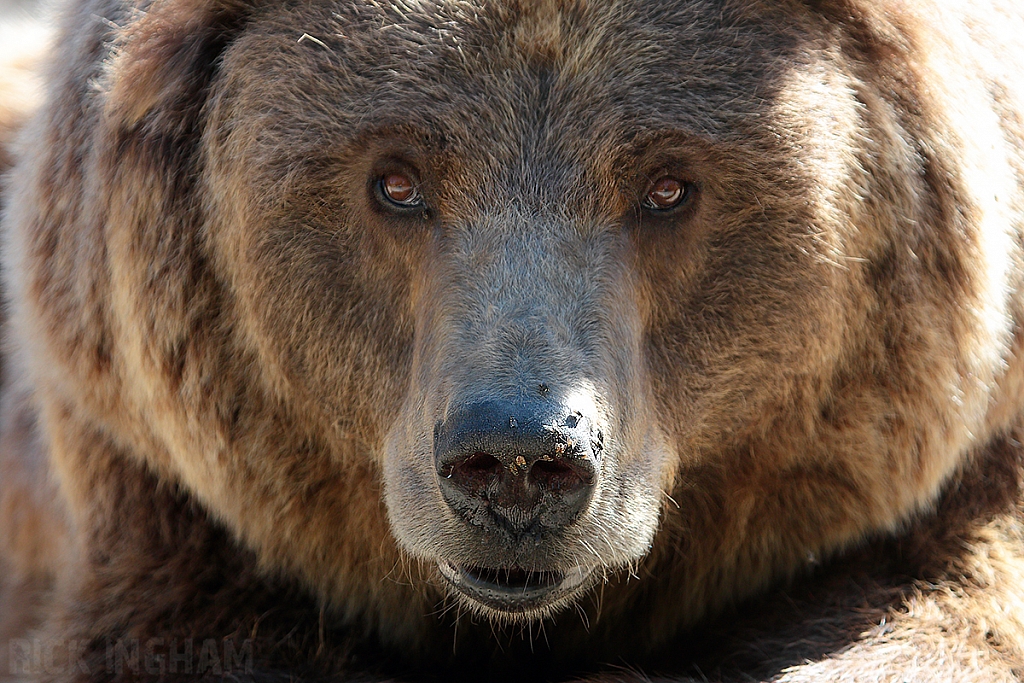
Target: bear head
512,299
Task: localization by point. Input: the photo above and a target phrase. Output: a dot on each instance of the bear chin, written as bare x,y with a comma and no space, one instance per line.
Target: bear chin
514,595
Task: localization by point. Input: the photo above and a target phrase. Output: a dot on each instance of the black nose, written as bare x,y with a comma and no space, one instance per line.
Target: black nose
523,465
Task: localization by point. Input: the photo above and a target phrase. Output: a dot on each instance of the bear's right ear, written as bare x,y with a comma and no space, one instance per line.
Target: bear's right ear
166,56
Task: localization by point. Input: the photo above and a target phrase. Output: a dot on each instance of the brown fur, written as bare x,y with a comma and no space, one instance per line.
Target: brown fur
231,358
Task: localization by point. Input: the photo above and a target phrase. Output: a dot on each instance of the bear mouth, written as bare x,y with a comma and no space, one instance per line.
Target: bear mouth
512,590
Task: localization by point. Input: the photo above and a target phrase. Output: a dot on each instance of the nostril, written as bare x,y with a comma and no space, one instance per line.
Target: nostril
476,473
551,468
481,462
555,476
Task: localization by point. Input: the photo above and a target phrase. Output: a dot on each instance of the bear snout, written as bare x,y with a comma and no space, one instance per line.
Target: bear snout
517,467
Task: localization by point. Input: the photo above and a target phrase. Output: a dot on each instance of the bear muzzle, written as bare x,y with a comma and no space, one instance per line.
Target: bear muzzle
523,473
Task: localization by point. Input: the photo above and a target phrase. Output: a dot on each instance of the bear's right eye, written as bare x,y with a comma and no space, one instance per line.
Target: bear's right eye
668,193
399,190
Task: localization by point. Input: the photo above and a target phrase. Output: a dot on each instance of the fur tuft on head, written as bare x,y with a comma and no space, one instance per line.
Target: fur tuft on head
166,55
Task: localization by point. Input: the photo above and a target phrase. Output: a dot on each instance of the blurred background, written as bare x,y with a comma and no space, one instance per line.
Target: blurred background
25,36
17,16
17,9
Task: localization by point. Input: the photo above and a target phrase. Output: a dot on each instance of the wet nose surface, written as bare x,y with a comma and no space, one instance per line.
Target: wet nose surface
517,464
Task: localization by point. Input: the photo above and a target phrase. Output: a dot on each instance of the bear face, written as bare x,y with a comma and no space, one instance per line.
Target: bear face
541,263
527,276
532,296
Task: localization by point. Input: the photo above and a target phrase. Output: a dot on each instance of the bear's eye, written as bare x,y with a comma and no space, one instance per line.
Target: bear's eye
398,189
668,193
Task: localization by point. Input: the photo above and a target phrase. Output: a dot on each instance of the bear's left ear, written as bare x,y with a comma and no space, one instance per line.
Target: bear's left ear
166,56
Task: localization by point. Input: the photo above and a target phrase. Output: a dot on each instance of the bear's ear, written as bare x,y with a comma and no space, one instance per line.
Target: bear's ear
166,55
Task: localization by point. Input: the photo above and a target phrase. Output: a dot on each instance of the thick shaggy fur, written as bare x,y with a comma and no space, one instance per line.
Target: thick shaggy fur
228,354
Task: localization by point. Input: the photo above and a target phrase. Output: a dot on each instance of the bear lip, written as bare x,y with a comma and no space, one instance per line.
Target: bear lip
513,590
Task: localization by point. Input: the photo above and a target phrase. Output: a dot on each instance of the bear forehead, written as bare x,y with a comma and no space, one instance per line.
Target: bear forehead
617,67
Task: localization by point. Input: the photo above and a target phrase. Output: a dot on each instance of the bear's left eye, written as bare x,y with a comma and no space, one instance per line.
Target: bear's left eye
399,190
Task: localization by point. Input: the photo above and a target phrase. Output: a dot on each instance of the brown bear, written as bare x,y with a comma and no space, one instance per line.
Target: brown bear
517,340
